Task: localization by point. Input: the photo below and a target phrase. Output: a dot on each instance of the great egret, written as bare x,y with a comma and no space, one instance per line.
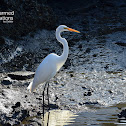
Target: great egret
52,63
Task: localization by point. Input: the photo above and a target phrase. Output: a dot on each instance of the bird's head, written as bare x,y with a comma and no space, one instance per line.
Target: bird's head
65,28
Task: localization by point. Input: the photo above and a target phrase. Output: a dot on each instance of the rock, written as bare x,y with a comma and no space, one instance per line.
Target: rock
2,41
95,55
28,16
121,44
90,103
67,64
15,117
18,104
6,82
20,75
71,75
88,93
80,46
88,50
53,106
122,114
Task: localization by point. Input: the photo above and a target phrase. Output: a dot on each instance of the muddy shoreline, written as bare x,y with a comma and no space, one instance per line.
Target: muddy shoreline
90,78
94,74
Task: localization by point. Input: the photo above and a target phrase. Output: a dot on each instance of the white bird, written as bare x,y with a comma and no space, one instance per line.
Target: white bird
52,63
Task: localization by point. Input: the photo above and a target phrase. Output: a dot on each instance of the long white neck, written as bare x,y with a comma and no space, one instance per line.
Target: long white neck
63,41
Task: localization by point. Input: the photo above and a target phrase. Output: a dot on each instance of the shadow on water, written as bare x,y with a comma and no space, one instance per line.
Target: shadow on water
95,117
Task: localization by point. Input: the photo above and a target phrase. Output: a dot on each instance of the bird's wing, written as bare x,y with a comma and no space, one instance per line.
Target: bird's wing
45,71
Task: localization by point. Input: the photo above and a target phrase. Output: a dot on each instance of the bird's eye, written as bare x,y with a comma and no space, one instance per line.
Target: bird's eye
65,28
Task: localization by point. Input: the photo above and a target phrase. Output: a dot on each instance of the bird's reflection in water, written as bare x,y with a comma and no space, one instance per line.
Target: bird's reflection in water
58,118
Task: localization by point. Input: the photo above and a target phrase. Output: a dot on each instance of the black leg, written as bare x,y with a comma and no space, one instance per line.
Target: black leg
43,106
48,96
43,100
48,103
48,119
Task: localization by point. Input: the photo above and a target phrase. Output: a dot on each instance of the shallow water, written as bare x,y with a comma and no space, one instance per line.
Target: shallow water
94,117
105,117
99,72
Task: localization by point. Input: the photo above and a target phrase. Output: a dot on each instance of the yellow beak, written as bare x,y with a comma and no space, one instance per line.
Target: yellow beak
72,30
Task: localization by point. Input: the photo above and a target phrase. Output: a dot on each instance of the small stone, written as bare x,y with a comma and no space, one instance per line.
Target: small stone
80,46
88,50
91,103
6,82
39,113
88,93
80,103
71,75
122,114
18,104
57,98
26,96
84,87
110,91
106,67
94,55
72,99
2,41
39,98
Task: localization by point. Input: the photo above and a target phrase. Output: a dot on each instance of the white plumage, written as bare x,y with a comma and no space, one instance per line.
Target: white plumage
52,63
